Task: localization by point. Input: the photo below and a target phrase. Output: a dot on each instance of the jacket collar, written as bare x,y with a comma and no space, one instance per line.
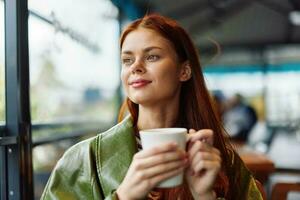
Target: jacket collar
114,151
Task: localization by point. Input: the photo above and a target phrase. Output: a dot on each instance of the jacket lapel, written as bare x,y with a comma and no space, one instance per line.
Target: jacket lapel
114,152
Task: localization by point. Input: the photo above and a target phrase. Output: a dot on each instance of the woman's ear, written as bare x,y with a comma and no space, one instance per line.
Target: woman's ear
186,71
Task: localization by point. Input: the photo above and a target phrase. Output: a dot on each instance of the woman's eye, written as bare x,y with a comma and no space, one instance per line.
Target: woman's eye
127,61
153,57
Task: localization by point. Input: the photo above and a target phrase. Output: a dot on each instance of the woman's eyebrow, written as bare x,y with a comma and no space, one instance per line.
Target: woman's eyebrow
147,49
126,52
151,48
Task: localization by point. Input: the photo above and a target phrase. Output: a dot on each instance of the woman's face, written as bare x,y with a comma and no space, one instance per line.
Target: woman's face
150,68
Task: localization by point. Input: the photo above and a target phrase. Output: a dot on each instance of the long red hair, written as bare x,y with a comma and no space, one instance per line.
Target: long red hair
195,102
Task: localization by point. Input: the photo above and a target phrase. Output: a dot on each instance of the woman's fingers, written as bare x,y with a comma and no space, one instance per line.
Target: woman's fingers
160,169
157,179
207,165
150,177
156,150
192,131
216,151
177,155
198,146
149,167
201,152
202,135
204,156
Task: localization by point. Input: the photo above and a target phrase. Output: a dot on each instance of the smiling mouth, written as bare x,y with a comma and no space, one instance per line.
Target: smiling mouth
139,83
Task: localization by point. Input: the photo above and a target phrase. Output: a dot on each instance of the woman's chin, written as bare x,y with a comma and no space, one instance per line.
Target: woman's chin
137,101
140,100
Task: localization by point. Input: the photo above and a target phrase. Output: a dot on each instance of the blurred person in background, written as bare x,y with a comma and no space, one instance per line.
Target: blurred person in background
239,118
165,87
219,102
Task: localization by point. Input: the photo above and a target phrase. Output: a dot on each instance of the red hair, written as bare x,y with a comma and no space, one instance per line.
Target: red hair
199,110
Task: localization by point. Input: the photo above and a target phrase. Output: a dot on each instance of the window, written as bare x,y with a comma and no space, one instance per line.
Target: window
74,76
2,71
237,82
270,81
73,60
247,80
282,89
283,97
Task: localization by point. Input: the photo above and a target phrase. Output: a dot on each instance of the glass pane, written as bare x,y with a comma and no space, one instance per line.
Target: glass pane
283,98
282,87
73,60
232,83
2,72
74,74
239,94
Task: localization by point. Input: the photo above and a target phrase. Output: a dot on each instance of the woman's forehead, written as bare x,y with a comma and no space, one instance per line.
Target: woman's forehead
144,38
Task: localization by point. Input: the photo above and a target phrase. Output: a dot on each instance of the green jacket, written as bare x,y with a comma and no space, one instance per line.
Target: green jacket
94,168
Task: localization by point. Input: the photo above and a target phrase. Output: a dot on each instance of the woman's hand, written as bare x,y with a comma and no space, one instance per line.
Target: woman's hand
149,167
204,163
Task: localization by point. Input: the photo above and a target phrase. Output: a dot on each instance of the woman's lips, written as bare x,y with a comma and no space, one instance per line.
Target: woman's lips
139,83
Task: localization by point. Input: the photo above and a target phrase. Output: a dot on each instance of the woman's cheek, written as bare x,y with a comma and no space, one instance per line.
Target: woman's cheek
124,78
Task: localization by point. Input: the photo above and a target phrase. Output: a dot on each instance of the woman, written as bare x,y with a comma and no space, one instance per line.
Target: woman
162,77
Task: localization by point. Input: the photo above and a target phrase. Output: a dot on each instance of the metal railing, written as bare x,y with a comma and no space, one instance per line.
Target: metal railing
75,132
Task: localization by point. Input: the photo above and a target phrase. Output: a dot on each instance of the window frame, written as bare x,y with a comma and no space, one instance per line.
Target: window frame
15,143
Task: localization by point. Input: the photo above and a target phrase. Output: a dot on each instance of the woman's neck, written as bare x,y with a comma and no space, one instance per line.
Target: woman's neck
157,117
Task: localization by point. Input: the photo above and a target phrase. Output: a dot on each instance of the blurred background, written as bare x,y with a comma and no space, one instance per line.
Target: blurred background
250,55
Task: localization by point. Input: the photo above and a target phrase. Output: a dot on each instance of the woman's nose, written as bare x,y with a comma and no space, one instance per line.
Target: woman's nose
138,67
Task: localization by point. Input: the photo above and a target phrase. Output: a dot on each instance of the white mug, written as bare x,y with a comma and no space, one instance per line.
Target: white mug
156,137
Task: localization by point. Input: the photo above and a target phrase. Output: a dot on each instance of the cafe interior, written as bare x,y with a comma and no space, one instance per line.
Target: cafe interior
59,81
